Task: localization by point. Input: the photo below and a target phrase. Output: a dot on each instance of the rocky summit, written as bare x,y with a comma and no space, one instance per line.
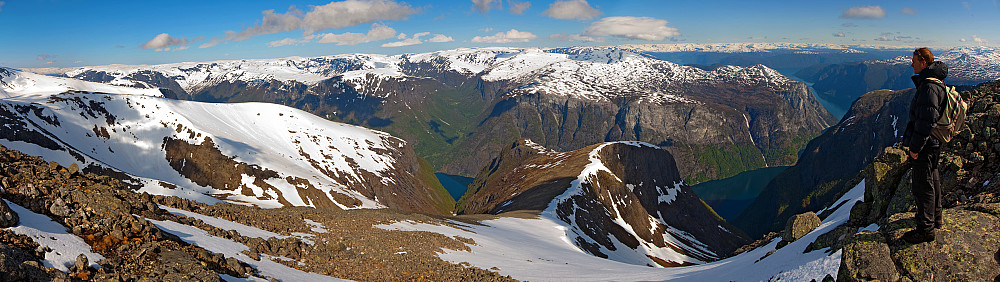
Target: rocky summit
968,242
617,200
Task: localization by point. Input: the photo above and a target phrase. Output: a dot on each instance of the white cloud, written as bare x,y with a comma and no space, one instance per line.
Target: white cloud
163,40
376,33
180,48
488,29
212,42
979,40
271,23
401,36
571,10
510,36
575,37
286,41
962,40
839,34
643,28
43,57
440,38
408,41
484,6
333,15
354,12
518,7
866,12
909,11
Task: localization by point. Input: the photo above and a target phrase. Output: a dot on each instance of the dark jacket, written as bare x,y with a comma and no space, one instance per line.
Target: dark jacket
925,108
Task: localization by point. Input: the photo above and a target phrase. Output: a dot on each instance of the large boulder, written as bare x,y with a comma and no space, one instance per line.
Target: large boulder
800,225
865,258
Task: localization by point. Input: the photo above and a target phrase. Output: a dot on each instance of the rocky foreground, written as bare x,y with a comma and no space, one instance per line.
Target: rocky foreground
119,225
967,247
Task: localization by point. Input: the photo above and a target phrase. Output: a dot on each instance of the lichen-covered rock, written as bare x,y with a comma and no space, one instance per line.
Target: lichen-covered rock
866,257
800,225
8,217
882,177
901,200
965,249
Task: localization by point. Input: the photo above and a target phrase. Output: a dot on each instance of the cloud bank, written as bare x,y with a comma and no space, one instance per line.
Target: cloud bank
510,36
866,12
642,28
571,10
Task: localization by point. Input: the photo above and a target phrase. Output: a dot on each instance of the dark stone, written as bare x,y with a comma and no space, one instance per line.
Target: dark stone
8,217
59,208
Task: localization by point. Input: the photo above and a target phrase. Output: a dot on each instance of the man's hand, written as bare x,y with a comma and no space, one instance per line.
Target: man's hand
913,155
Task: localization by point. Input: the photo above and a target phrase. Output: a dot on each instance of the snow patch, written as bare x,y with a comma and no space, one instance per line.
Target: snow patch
47,233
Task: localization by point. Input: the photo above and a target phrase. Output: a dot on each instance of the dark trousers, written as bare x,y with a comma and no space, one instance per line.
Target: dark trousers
926,188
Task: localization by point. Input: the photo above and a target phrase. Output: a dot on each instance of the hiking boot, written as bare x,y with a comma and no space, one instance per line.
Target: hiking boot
918,236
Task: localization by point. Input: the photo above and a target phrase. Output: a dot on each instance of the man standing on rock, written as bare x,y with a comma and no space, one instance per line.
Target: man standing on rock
925,150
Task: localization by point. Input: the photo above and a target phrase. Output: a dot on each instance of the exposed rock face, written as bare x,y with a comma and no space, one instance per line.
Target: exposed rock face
800,225
617,199
717,123
875,121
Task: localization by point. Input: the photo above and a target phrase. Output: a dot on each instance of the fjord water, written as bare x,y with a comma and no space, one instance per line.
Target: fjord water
730,196
835,110
455,184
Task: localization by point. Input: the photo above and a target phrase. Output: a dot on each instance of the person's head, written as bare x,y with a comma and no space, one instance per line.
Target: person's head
922,58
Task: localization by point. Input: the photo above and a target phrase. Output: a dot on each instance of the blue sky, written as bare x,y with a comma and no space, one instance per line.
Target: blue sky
55,33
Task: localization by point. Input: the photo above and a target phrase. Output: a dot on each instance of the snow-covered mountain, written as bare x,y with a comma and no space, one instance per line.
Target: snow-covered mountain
623,201
966,65
253,153
842,83
620,94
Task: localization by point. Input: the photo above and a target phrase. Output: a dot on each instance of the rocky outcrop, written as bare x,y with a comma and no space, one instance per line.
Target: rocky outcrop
968,241
829,162
615,198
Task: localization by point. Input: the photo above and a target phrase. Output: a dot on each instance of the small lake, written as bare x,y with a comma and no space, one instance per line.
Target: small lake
730,196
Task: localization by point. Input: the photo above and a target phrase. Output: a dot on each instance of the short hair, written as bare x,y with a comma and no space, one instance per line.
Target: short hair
924,54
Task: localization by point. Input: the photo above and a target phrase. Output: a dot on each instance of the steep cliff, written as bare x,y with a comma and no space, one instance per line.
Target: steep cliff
874,121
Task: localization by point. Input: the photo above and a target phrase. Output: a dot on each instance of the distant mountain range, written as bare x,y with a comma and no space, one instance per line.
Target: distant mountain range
842,83
460,107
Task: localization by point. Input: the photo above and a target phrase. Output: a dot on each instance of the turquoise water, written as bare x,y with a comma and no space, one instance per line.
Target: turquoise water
837,111
455,184
730,196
